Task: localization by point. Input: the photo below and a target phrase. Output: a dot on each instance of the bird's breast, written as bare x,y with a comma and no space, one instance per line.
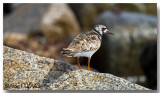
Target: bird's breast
86,54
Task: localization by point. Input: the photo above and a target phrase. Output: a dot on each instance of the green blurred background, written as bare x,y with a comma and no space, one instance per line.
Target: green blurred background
44,29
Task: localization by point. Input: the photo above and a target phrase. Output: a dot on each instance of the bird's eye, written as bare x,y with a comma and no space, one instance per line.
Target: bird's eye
104,29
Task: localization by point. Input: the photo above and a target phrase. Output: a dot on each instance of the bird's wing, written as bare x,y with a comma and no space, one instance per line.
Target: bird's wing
85,42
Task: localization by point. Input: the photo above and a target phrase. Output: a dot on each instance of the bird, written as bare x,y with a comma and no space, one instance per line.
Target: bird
85,45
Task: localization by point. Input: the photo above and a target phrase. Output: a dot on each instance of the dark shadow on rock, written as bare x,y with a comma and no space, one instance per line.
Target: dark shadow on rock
58,69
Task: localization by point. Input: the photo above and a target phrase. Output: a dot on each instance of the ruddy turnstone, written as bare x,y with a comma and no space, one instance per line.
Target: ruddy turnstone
85,45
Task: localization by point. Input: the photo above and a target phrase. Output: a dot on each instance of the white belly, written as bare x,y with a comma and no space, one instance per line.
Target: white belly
85,54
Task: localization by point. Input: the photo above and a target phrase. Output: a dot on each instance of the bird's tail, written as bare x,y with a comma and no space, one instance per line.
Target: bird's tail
67,52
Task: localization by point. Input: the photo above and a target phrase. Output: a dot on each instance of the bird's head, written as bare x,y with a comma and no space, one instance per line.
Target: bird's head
101,29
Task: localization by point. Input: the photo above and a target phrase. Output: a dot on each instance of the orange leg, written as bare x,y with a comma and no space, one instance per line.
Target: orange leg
88,64
78,63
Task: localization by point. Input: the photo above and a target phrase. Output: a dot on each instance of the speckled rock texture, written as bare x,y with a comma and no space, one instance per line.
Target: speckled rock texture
26,71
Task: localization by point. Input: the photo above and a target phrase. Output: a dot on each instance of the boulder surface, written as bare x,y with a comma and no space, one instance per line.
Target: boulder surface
26,71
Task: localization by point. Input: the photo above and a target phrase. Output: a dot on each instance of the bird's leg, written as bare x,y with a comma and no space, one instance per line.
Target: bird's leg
89,63
78,63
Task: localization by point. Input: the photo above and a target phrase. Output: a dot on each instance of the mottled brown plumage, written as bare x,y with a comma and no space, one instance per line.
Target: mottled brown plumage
85,45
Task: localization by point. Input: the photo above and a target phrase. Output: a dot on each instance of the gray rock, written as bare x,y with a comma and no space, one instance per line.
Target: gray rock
110,19
25,18
26,71
87,13
44,27
56,21
133,32
9,8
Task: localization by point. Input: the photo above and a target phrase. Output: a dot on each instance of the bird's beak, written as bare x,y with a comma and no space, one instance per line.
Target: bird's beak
109,33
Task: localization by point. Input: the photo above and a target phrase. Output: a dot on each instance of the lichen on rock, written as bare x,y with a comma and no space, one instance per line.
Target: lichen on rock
26,71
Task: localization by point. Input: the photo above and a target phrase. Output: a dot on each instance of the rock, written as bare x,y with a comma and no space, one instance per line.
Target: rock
26,71
9,7
133,32
23,29
59,23
35,44
111,19
88,13
15,40
56,21
25,18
